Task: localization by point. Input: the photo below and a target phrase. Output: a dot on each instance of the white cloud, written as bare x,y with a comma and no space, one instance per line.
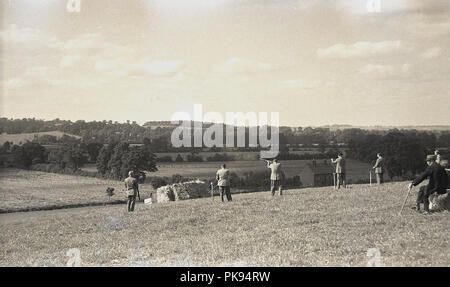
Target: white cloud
162,68
19,35
377,69
303,84
361,49
85,41
69,60
432,53
240,65
384,70
15,83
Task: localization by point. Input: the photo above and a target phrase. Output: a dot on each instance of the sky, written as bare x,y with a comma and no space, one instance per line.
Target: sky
314,62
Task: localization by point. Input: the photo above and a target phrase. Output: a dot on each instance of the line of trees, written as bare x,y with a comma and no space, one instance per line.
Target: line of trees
109,131
116,159
404,152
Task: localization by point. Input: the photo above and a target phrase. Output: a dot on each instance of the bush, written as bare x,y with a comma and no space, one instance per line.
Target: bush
194,158
176,178
166,158
157,182
179,158
220,157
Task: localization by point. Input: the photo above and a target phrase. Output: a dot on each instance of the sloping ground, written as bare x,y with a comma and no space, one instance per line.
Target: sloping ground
22,190
306,227
24,137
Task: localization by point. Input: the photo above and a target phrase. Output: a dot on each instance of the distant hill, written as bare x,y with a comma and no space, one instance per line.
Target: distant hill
24,137
385,128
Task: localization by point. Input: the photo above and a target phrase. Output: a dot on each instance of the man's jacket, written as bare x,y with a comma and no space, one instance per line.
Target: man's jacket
438,179
222,177
131,185
340,165
379,165
276,173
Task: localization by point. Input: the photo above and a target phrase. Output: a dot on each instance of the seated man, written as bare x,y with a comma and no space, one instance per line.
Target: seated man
437,182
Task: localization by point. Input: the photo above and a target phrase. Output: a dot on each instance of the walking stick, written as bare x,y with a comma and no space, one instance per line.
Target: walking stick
406,198
212,191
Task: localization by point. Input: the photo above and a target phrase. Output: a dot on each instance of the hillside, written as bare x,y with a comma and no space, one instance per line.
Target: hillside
24,137
305,227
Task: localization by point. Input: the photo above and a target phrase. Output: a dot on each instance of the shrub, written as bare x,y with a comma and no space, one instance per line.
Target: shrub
176,178
194,158
166,158
157,182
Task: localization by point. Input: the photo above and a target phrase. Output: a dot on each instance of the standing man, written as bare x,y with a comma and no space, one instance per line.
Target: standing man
340,170
437,153
379,168
223,182
132,188
437,183
275,176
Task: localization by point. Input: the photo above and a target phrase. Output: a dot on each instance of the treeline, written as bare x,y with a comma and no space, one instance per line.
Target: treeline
113,160
404,151
131,132
223,157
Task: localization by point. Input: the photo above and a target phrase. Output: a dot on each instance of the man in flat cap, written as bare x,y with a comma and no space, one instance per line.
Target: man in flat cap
436,184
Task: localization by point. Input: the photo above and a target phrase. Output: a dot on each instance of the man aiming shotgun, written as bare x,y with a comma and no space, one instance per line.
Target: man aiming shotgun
275,176
340,170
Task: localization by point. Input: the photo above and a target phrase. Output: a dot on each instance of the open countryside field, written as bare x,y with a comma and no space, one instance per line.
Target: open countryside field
30,190
238,155
356,170
304,227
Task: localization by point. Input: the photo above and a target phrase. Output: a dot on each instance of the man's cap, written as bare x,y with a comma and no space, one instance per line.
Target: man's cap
431,157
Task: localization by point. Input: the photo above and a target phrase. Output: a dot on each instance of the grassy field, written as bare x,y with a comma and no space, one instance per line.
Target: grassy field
305,227
31,190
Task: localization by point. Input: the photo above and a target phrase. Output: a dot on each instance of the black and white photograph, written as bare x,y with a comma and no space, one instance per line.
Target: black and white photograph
233,134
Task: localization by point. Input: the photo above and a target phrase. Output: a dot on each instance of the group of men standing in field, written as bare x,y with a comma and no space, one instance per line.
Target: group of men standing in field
438,179
223,179
340,172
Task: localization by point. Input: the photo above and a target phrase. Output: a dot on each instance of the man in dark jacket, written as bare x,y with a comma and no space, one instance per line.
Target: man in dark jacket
436,184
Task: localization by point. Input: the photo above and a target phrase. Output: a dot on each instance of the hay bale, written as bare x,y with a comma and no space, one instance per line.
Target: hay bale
182,191
439,202
164,194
